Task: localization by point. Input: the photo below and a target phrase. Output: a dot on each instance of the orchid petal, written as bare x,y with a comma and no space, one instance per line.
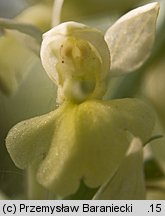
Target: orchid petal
93,144
85,141
131,38
28,140
128,181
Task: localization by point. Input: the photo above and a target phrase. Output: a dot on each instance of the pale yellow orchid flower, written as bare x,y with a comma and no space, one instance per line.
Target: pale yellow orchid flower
86,138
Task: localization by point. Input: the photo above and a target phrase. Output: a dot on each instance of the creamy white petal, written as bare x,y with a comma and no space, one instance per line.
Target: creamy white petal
128,182
131,38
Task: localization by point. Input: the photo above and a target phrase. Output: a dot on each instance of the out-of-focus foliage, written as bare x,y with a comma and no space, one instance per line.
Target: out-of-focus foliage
95,13
80,9
28,102
156,190
21,42
10,8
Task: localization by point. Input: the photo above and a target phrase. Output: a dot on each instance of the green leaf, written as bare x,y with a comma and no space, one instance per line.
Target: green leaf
22,27
156,189
128,181
3,196
131,38
152,169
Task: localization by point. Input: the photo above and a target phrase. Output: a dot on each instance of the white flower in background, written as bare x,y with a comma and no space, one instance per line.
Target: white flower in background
20,44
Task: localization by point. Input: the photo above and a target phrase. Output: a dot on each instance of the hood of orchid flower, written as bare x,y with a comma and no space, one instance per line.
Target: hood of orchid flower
76,57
